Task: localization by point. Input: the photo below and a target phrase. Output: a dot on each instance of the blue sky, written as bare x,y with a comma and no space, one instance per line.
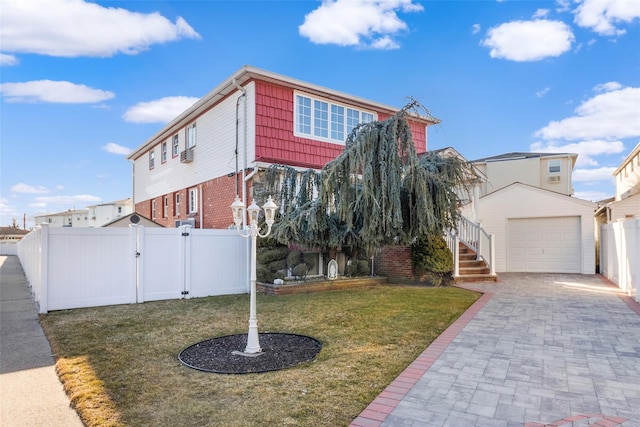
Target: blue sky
83,83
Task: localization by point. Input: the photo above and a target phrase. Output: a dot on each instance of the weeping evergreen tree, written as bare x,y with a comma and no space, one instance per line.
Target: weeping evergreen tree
376,192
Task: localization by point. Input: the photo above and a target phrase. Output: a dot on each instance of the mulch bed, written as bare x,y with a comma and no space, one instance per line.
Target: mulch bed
279,351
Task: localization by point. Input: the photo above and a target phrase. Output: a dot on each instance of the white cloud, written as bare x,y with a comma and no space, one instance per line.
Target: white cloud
607,87
363,23
542,92
54,92
77,201
114,148
475,29
8,60
72,28
541,13
594,196
607,115
602,16
595,174
563,5
529,40
7,212
159,111
586,150
29,189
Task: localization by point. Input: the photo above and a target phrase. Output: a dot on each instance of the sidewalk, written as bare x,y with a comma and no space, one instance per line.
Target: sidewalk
535,350
30,393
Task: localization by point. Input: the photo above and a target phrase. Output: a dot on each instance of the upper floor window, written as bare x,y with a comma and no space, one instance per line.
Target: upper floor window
193,200
163,152
554,166
191,135
175,149
325,120
152,158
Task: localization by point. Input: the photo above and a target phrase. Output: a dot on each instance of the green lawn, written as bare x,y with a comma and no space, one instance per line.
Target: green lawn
119,364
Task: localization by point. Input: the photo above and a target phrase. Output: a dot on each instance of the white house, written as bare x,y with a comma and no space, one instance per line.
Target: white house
92,216
526,204
627,199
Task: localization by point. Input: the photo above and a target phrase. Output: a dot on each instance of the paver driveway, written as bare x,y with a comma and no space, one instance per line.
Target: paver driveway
536,349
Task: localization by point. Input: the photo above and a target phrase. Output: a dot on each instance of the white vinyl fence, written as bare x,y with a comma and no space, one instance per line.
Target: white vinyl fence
9,248
620,254
86,267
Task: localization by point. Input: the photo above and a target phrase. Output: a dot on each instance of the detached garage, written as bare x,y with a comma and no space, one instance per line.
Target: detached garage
538,230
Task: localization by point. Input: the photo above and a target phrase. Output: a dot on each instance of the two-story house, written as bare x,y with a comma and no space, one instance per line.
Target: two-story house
92,216
526,203
627,177
192,169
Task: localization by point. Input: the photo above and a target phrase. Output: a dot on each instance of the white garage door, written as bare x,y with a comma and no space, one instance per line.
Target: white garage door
544,245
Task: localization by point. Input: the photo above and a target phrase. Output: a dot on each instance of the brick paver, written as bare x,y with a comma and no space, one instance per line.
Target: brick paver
535,350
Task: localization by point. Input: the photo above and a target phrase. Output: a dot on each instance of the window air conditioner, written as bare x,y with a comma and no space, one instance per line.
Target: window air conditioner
186,156
554,179
189,221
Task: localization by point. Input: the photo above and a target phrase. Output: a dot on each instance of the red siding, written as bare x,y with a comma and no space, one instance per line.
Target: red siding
276,143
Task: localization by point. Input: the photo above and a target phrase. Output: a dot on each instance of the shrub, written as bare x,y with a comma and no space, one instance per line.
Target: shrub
431,260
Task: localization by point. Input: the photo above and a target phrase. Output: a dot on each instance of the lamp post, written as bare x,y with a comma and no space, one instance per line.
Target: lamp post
239,211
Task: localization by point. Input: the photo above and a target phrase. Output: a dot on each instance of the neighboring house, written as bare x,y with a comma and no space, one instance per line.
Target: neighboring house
549,171
526,204
627,199
69,218
104,213
132,218
12,234
93,216
193,168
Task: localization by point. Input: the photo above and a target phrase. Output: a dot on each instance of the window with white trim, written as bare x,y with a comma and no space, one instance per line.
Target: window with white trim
152,158
176,205
324,120
554,167
191,135
175,150
163,152
193,200
165,206
153,210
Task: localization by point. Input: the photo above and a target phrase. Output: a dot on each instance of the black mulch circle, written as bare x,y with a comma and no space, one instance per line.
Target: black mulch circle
279,351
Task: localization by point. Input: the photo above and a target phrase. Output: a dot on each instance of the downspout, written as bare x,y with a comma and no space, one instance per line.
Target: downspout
201,204
244,188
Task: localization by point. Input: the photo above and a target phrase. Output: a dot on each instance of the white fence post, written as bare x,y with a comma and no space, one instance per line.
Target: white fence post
140,235
42,294
185,259
492,254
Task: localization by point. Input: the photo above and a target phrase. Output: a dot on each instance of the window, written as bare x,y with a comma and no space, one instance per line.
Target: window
165,207
175,148
337,122
176,205
304,114
119,209
163,152
193,200
554,166
191,135
320,119
325,120
152,159
153,210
